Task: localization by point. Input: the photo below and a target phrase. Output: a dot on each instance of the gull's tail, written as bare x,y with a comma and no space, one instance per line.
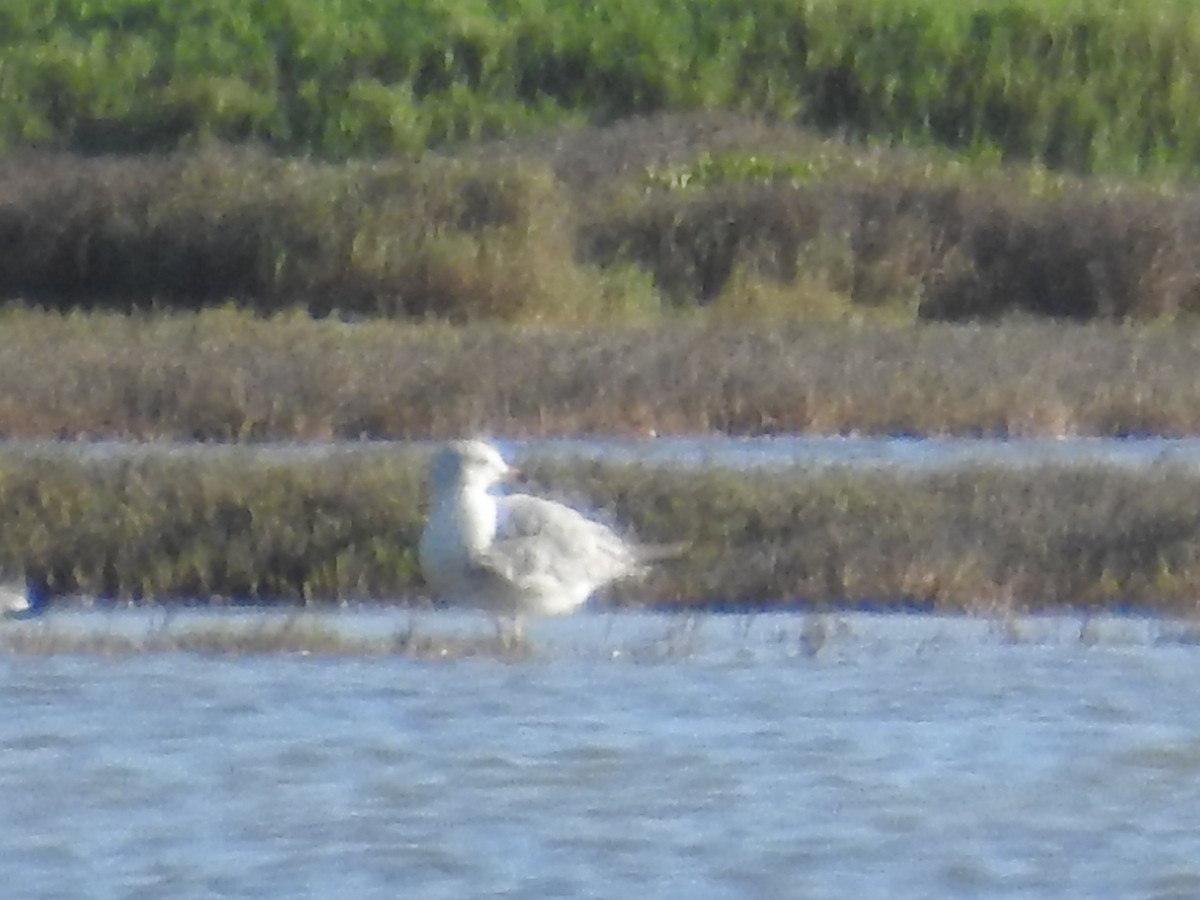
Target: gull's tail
652,553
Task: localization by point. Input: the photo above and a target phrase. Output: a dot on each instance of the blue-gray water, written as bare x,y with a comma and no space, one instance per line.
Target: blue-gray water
897,453
629,756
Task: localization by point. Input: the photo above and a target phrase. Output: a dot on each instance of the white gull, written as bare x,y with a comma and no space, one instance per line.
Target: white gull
15,601
514,554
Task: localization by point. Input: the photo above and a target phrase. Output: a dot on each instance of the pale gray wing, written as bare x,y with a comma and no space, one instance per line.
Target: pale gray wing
543,539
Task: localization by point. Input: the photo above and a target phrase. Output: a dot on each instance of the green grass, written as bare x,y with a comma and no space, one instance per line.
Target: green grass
163,530
1082,84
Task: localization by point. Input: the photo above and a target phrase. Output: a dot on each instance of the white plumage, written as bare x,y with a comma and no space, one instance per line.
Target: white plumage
14,599
513,554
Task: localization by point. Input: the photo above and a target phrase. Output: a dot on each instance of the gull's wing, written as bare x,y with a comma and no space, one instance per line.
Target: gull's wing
541,539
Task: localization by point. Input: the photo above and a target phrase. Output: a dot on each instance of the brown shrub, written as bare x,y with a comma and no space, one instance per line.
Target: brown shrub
1079,257
447,239
693,244
570,227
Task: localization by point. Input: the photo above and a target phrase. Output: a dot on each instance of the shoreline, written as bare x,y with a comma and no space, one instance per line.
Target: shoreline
393,632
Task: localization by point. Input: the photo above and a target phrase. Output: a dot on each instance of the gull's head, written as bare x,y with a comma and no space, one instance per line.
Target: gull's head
471,463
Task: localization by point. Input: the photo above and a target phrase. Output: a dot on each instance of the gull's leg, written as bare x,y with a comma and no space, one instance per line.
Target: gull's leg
508,631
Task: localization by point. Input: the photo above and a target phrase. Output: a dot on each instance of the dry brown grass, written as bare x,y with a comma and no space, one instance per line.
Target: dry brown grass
227,375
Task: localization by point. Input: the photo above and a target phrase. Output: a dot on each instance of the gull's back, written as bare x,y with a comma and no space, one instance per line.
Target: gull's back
553,557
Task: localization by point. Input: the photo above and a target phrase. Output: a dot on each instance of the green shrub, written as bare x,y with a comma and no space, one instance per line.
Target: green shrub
1086,84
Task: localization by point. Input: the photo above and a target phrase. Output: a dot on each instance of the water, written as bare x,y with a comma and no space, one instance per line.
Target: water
629,756
895,453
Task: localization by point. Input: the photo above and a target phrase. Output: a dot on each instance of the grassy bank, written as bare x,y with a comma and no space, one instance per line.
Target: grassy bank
168,529
227,375
712,216
1078,84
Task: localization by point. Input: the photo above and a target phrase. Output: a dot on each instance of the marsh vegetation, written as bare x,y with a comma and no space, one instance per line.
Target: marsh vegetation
226,375
243,223
718,217
538,162
323,531
1084,85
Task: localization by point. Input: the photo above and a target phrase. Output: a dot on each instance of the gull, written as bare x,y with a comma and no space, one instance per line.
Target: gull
515,554
18,600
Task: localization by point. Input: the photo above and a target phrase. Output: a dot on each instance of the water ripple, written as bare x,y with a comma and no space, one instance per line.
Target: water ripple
910,757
